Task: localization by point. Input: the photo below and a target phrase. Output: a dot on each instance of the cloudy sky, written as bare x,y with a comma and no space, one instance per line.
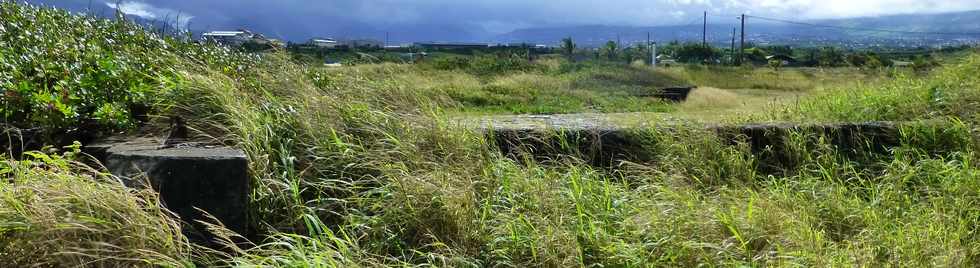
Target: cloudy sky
474,19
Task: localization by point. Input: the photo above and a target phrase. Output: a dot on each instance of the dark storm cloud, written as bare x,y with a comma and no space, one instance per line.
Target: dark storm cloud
478,19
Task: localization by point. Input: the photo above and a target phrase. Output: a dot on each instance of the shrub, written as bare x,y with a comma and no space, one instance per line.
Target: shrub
58,70
450,63
57,76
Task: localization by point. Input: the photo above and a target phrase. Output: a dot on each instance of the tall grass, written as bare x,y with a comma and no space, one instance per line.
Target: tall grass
551,87
58,212
949,91
786,79
360,167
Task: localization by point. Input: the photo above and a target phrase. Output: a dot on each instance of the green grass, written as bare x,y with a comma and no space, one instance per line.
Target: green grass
784,79
952,91
551,86
362,166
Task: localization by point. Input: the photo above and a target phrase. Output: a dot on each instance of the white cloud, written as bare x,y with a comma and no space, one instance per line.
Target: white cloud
825,9
151,12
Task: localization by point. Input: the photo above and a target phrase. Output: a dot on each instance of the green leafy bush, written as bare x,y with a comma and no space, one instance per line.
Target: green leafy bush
56,76
59,70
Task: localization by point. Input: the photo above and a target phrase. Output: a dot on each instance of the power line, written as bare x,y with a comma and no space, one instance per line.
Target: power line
724,15
858,28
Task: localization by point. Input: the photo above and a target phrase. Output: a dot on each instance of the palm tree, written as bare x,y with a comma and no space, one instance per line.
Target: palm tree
567,46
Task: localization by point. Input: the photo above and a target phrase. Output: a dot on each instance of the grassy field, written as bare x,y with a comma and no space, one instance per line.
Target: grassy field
362,166
550,86
556,86
783,79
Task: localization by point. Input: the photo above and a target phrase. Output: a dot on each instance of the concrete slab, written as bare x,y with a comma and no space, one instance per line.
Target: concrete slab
600,141
188,177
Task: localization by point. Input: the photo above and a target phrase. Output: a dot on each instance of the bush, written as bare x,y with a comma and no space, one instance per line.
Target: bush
57,76
59,70
450,63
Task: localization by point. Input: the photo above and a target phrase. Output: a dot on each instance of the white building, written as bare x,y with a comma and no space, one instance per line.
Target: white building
232,38
324,42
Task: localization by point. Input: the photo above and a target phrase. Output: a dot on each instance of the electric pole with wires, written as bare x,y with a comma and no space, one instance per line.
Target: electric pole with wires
704,31
741,47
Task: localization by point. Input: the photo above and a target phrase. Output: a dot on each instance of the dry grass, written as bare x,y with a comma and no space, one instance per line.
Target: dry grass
55,212
786,79
709,104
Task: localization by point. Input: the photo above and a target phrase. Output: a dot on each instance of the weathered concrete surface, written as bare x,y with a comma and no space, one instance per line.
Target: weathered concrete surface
602,143
675,94
188,177
601,146
768,142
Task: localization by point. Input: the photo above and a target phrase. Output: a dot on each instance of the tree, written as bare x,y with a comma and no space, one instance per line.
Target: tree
567,46
780,50
857,60
756,55
874,62
611,49
923,63
695,53
831,57
638,52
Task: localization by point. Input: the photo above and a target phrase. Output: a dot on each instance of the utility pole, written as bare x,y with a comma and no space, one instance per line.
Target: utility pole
704,31
653,58
732,53
649,48
741,47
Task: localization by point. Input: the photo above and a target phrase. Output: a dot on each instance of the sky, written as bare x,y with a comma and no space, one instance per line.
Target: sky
440,20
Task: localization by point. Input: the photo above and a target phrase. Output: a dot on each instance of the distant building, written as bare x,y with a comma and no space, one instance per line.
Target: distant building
898,63
233,38
362,43
666,61
535,46
323,43
783,59
450,46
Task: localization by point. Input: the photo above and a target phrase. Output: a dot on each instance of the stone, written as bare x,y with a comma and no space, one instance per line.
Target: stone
190,178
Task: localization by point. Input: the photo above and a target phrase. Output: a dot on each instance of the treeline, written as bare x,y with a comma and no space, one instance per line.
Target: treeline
779,55
772,55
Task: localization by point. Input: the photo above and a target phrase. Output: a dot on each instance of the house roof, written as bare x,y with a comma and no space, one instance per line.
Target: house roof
224,33
780,57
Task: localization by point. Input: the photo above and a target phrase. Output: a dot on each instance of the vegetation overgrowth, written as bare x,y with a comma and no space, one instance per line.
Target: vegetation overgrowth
359,167
545,87
60,71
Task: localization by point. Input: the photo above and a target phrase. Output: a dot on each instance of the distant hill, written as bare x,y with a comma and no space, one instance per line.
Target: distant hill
764,31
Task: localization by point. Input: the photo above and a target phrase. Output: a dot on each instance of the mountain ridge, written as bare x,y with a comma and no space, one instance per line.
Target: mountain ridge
762,30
